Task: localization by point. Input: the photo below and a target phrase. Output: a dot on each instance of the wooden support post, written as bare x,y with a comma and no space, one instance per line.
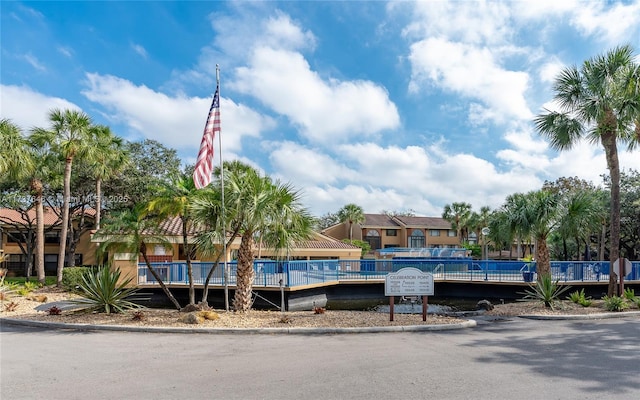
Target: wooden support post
424,307
391,301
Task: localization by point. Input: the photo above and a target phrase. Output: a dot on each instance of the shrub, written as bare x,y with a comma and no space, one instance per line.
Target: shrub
578,297
72,277
545,291
615,303
629,294
101,292
26,288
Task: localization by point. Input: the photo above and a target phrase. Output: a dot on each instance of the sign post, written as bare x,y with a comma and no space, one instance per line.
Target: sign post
408,282
622,266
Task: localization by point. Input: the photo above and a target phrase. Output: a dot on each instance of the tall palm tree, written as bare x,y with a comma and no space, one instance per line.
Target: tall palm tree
69,136
173,199
599,101
353,214
130,231
260,206
109,158
27,163
458,215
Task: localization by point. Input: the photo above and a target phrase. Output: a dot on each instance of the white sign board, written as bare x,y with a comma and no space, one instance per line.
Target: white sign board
408,282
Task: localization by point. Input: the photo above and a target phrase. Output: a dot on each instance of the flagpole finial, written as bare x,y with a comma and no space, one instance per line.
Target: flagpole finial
218,73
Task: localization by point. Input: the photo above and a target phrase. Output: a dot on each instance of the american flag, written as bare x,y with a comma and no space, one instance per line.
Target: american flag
204,165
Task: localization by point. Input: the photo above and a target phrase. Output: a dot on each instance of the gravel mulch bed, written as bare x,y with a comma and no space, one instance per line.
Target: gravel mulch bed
24,307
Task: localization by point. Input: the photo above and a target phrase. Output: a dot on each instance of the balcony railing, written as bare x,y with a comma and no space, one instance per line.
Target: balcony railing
270,273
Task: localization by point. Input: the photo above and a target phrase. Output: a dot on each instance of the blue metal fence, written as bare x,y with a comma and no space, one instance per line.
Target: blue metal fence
269,273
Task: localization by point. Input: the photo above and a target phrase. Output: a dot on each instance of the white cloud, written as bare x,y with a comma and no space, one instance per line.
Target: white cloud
305,166
28,108
175,121
550,70
34,62
140,50
473,22
472,72
613,23
325,112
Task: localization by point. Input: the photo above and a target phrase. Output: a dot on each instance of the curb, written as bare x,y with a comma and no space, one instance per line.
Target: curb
300,331
577,317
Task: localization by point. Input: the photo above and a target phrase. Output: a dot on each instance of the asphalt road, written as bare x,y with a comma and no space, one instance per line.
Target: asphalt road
514,359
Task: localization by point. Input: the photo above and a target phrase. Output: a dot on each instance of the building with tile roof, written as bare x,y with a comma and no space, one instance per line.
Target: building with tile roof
386,231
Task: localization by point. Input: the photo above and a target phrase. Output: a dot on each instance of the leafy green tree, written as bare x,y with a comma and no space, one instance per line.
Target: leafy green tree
327,220
458,215
599,101
69,136
630,214
150,165
353,214
129,231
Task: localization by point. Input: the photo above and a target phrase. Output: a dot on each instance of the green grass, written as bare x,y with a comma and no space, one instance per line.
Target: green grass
49,280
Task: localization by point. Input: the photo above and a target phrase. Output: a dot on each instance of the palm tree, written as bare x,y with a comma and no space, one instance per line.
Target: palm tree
24,161
129,231
458,215
260,206
14,153
109,158
537,215
353,214
173,199
599,101
581,213
70,136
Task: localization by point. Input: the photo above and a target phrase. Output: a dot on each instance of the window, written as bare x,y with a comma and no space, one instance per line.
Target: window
392,232
52,237
50,262
373,238
14,237
416,240
78,260
434,232
452,233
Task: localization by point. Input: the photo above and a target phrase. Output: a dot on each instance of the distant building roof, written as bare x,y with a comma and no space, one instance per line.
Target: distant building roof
379,220
10,216
430,222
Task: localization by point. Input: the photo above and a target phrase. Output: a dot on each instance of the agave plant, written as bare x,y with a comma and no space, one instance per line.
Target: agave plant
545,291
101,292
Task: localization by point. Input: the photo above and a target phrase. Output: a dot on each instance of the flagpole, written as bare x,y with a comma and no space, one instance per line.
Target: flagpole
224,224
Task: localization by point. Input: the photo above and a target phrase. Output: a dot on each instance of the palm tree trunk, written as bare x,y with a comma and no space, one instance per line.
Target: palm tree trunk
205,290
98,202
165,289
36,186
611,152
245,274
187,255
66,193
543,264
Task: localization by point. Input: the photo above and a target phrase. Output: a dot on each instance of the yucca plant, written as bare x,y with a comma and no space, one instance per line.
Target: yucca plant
101,292
545,291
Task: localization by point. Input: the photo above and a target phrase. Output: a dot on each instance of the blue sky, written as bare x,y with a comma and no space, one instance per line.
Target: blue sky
389,105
